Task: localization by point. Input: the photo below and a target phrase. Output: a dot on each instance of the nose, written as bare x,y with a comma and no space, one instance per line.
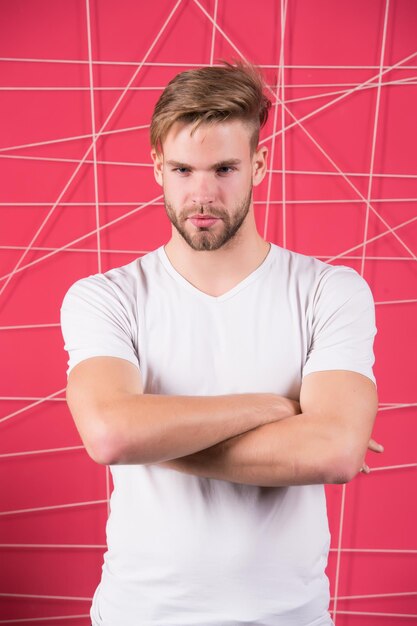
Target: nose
203,192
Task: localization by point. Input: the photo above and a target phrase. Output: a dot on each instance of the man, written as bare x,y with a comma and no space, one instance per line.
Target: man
225,380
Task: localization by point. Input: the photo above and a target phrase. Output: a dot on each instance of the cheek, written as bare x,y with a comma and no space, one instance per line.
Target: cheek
237,187
173,188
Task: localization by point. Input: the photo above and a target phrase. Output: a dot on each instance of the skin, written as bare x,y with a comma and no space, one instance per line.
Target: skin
204,188
260,439
193,171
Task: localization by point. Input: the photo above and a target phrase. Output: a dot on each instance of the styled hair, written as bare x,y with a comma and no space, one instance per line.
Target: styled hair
209,95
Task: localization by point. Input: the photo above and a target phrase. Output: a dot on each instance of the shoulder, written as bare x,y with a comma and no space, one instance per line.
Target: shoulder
315,275
340,283
119,284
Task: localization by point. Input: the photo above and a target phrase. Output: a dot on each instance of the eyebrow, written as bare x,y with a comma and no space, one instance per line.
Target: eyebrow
215,166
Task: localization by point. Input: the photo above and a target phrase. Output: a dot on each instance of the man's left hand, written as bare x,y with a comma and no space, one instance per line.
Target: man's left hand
375,447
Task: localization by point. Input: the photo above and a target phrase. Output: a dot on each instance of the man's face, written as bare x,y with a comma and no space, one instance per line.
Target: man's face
207,180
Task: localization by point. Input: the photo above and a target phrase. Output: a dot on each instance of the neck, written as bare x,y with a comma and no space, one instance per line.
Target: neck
217,271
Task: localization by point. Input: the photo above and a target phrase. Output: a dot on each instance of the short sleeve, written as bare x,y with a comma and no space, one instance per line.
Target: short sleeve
96,321
342,319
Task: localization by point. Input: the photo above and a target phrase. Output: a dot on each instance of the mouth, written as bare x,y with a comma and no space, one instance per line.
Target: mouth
203,221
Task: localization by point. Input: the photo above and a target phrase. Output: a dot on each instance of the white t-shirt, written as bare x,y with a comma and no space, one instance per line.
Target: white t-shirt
191,551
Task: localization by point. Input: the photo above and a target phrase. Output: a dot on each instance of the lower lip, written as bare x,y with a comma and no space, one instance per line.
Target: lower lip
203,222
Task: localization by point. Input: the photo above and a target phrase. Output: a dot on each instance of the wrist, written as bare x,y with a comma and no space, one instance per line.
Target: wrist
285,407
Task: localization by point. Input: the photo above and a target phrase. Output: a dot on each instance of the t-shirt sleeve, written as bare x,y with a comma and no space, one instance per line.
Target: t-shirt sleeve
96,321
342,324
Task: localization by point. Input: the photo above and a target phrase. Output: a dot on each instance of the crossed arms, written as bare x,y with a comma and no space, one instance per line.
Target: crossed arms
260,439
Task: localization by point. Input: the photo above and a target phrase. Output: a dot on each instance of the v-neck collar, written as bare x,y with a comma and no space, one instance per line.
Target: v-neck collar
228,294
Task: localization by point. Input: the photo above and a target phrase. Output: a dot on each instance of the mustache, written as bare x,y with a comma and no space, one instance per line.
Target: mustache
214,211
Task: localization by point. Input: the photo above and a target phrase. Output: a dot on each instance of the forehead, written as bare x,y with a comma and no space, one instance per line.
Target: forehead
216,141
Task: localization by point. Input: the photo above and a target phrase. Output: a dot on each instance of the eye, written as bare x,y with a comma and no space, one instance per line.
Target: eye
225,169
181,170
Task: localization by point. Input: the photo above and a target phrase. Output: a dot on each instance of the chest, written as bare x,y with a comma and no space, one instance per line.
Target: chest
255,341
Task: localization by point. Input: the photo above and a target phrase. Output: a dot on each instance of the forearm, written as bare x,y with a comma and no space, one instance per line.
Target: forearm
324,444
155,428
293,451
119,424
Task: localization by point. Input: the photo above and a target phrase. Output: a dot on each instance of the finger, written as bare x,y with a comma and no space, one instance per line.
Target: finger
365,469
374,446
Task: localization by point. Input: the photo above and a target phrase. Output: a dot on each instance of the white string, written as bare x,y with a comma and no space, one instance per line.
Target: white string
391,230
96,193
298,122
22,620
46,451
342,96
318,146
396,301
25,157
339,551
123,203
375,238
74,138
43,597
275,120
399,81
72,177
374,136
43,546
56,507
379,595
79,88
306,201
410,80
338,92
213,32
136,164
30,406
383,406
376,550
142,252
25,326
367,257
175,64
370,614
283,156
107,479
350,174
365,235
350,183
93,132
53,546
398,405
82,250
29,398
85,236
392,467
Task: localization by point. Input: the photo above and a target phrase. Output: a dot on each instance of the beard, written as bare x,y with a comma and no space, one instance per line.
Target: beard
204,238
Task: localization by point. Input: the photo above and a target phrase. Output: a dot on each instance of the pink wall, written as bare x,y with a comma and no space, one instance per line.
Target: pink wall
342,187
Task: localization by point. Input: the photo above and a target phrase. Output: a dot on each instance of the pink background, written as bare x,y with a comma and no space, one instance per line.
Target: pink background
77,196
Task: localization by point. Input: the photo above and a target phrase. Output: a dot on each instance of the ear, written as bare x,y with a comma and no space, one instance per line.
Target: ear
158,163
259,164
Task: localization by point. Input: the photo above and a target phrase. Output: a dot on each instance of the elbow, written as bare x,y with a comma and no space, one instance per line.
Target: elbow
340,476
341,468
105,427
102,448
106,446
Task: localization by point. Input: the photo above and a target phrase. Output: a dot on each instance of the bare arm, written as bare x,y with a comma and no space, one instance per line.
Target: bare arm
324,444
118,423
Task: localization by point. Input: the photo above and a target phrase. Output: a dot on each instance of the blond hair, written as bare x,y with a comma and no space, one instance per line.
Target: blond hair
209,95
